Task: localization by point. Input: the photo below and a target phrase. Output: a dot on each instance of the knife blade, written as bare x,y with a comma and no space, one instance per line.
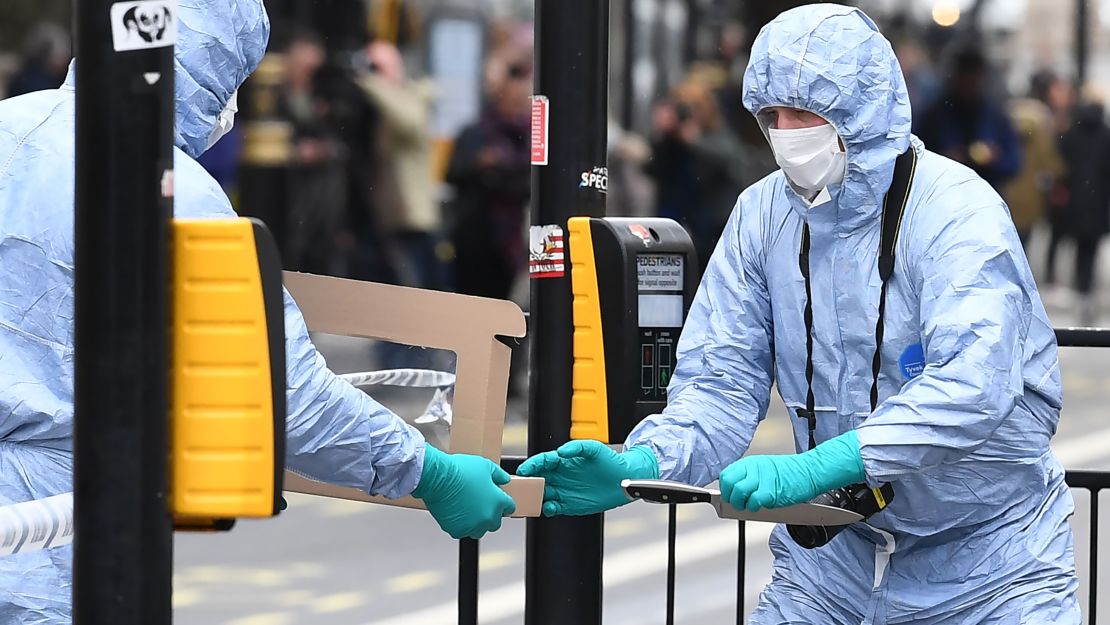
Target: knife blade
669,492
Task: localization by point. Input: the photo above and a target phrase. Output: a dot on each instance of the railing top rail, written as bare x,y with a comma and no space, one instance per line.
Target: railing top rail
1083,337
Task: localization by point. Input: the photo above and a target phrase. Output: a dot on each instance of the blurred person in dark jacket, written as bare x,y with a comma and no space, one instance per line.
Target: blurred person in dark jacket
968,126
1086,215
46,54
222,162
1059,95
697,164
921,76
490,171
317,177
732,53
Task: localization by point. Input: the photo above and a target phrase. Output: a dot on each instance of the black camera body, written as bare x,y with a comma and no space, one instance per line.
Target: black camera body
859,498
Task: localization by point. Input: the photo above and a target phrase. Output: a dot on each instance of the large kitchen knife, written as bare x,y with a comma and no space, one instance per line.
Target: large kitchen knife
663,491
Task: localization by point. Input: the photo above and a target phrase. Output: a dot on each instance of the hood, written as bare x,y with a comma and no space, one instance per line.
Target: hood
219,44
831,60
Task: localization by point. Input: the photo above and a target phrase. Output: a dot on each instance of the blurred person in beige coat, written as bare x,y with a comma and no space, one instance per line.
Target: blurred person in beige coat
1027,194
408,210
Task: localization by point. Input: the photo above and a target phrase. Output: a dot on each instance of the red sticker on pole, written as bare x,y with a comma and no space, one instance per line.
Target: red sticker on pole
540,106
546,258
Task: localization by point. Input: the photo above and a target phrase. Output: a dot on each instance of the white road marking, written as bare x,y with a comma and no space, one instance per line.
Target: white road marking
620,567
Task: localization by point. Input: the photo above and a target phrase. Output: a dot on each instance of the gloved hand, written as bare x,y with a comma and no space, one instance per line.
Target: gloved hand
461,492
777,481
584,477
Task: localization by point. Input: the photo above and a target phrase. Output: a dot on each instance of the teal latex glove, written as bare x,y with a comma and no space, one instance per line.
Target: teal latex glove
759,482
462,493
584,477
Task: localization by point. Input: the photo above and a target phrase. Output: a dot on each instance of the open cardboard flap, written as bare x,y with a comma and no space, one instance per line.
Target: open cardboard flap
468,326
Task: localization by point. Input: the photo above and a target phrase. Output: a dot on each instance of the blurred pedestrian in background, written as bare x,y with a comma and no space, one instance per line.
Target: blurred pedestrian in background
46,54
318,199
922,82
1028,193
968,126
400,185
407,214
697,164
1059,96
490,171
1086,214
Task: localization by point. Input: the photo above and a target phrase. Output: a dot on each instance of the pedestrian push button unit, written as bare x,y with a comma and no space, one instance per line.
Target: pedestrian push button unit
227,450
633,281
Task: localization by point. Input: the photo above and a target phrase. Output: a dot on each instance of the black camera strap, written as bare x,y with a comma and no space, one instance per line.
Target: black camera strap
894,207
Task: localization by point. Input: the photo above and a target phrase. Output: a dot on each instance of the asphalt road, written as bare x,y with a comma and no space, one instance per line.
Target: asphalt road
329,562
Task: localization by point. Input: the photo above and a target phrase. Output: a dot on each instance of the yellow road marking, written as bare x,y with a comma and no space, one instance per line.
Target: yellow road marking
183,597
206,574
624,527
497,560
413,582
266,578
267,618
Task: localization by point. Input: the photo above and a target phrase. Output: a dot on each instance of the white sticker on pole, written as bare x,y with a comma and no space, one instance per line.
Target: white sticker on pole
546,258
540,110
144,24
38,524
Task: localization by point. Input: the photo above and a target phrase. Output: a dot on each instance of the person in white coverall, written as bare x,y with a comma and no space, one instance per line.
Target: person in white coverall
955,414
335,432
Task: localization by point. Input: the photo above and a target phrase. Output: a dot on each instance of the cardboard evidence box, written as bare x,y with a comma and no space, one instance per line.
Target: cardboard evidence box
468,326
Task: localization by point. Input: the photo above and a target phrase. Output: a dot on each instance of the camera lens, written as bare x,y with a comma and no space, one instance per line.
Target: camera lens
858,498
812,536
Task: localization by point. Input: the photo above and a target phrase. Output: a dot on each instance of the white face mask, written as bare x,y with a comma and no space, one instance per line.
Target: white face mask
225,121
810,157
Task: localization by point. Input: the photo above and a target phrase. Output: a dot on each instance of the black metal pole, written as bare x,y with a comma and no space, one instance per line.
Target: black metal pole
123,554
741,566
563,576
628,87
468,581
1092,577
672,563
1082,28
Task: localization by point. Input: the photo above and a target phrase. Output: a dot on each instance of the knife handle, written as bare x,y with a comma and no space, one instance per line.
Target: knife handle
663,491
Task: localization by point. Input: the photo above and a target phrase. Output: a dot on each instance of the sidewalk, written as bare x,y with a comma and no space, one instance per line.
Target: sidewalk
1060,300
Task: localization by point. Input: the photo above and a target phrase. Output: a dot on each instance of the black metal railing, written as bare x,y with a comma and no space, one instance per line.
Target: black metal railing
468,562
1092,481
